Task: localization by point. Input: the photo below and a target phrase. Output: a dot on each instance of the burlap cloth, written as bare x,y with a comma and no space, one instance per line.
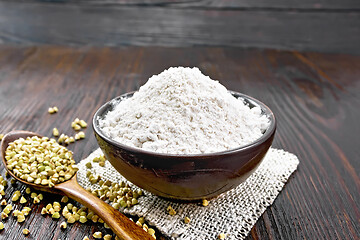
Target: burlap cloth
232,213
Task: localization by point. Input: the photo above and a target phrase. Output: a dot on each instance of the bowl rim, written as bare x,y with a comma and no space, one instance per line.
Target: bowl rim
268,133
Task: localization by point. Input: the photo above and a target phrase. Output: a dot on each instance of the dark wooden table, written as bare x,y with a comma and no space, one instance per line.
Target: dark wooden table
315,97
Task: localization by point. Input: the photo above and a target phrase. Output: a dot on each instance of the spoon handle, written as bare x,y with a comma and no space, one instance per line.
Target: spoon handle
122,226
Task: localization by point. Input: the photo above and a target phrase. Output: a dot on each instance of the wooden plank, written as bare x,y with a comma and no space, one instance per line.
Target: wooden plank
314,96
44,23
350,5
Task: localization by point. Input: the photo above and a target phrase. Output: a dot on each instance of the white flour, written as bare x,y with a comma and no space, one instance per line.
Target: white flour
182,111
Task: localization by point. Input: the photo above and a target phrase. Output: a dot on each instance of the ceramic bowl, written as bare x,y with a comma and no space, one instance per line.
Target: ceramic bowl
185,177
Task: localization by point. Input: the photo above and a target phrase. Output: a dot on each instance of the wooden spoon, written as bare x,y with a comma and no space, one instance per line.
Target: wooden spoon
122,226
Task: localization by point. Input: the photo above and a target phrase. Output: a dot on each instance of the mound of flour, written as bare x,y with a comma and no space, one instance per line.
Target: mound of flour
182,111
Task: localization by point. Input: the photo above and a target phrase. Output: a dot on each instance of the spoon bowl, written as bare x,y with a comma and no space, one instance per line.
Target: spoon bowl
11,137
122,226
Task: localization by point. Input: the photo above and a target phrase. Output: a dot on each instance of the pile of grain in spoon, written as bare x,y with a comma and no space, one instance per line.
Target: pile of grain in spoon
40,161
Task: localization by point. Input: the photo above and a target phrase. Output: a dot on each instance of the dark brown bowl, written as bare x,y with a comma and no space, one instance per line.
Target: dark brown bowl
185,177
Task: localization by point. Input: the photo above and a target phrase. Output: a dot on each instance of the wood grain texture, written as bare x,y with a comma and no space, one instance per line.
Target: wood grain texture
314,96
311,25
351,5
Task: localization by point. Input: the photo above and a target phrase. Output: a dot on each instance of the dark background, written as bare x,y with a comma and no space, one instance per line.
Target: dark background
310,25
